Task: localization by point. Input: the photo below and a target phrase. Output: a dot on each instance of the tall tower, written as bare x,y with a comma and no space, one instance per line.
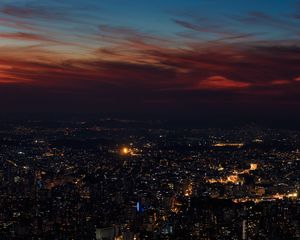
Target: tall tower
244,234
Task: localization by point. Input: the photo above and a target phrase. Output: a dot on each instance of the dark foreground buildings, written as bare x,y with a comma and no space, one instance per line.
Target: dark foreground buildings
115,179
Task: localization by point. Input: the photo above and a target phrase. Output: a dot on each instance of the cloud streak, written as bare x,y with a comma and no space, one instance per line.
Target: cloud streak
32,12
202,64
23,36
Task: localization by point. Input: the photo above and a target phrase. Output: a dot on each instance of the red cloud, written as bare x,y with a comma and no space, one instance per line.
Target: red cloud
280,82
138,68
219,82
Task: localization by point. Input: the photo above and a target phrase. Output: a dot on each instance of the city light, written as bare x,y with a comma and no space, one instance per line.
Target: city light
189,190
150,120
253,166
292,195
234,178
238,145
151,184
125,150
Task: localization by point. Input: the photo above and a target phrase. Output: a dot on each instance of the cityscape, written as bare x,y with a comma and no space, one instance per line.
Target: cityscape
149,120
108,179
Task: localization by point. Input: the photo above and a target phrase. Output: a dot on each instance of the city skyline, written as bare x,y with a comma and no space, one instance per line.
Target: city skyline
150,120
122,180
199,59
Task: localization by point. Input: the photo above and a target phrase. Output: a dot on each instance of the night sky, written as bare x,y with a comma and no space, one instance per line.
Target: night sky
192,58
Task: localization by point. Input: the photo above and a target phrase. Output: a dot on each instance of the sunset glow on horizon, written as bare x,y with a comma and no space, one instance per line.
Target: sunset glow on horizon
176,55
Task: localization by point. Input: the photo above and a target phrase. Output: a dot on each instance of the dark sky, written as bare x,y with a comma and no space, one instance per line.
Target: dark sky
183,59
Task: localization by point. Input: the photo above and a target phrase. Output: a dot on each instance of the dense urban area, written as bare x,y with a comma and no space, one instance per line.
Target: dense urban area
133,180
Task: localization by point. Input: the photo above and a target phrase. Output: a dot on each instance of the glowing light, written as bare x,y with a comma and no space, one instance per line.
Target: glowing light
278,196
253,166
238,145
292,195
188,191
230,179
220,169
233,178
129,151
125,150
